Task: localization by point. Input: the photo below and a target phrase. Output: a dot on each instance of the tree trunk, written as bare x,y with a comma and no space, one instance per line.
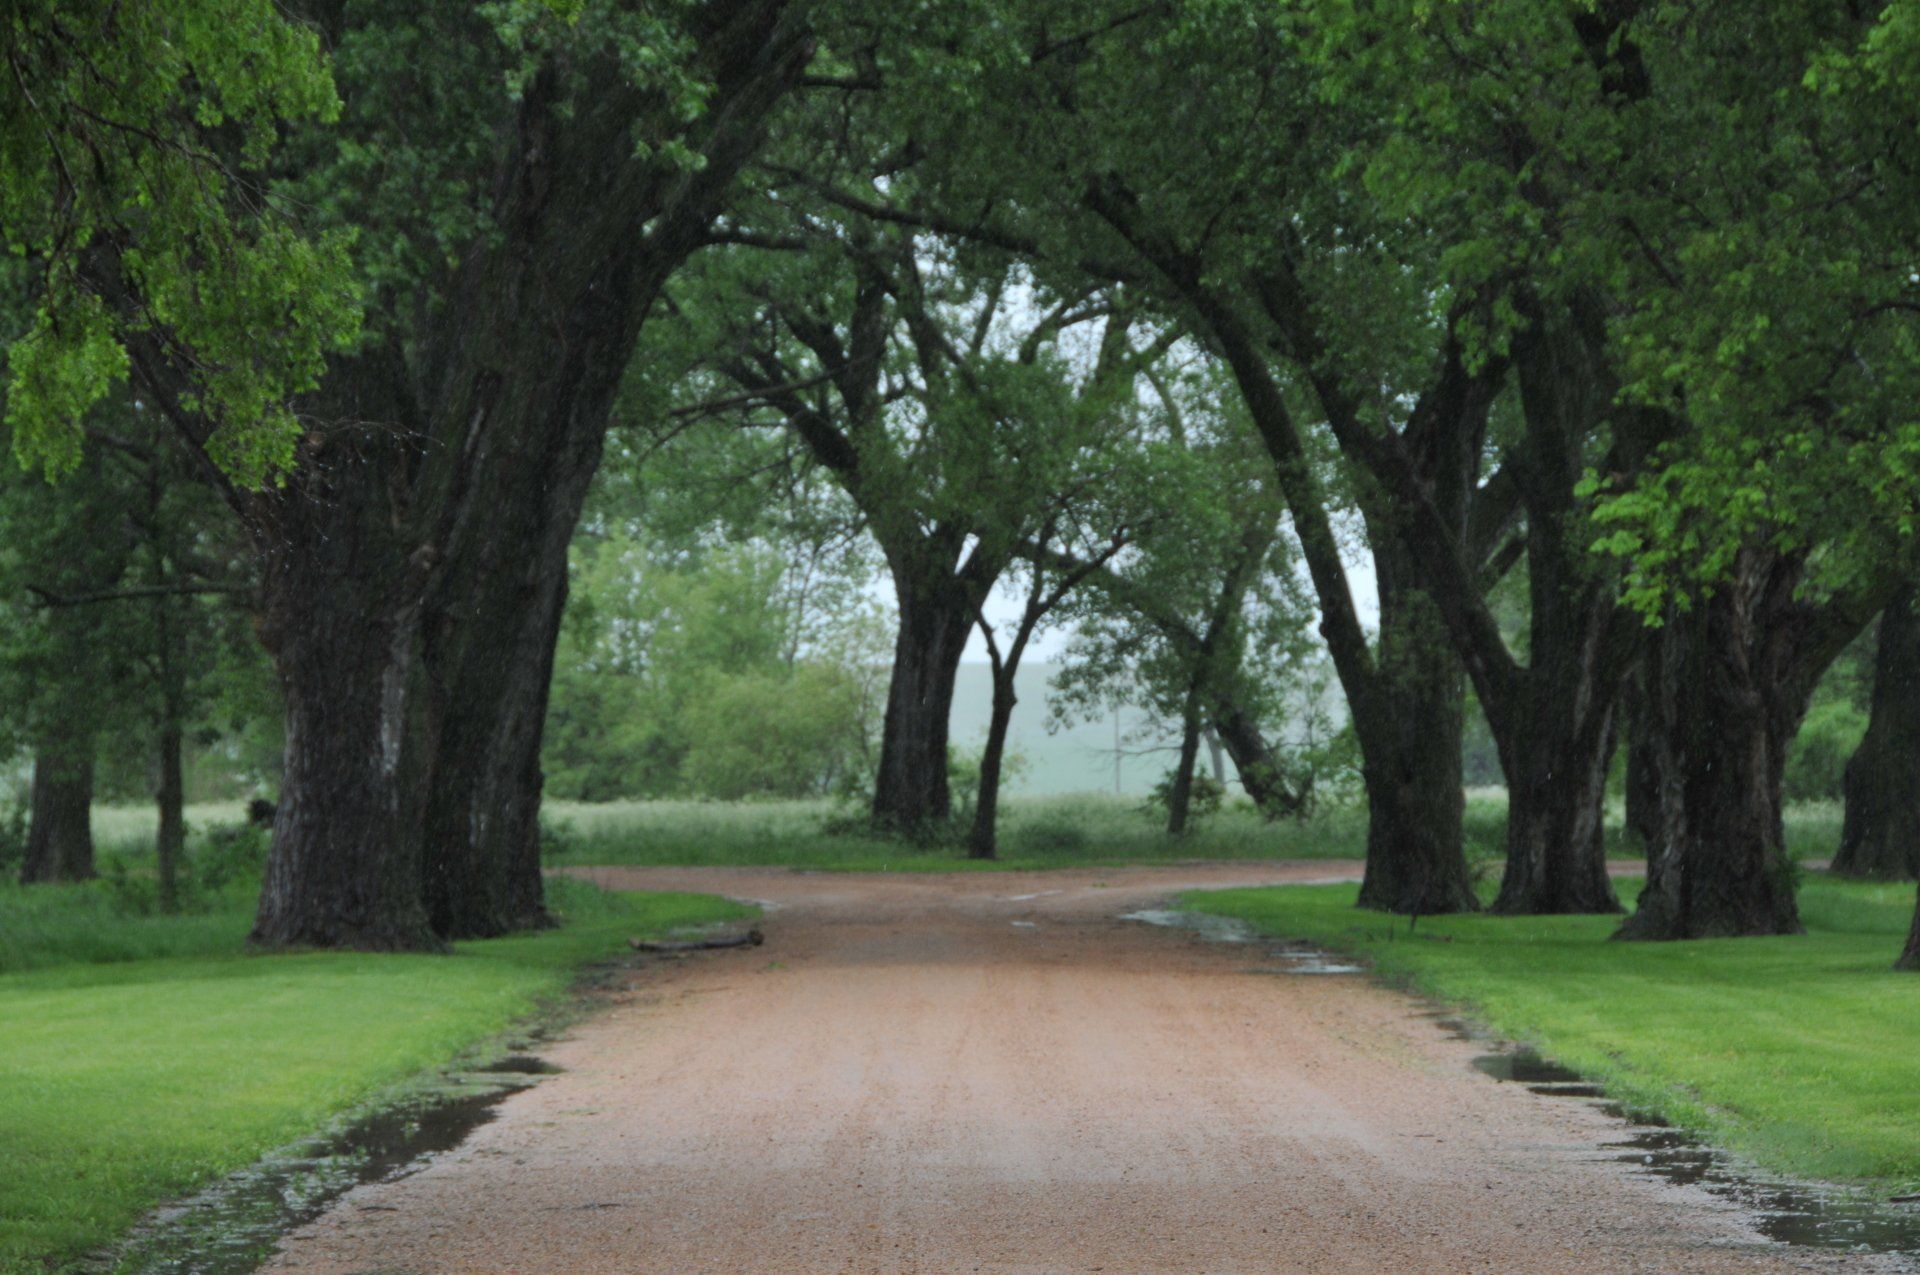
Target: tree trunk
170,792
416,567
1180,795
1643,772
496,612
1254,762
1556,740
1910,956
1553,719
1880,836
910,795
343,629
170,800
983,837
1409,739
59,826
1722,713
1216,756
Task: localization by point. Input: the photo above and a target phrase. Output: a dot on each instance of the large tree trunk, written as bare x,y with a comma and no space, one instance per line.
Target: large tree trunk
1556,740
59,827
343,629
1723,708
910,794
983,837
1553,719
1880,837
416,565
495,622
1410,748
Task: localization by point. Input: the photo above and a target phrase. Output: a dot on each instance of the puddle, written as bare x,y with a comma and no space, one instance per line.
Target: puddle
1527,1067
1786,1212
1295,958
1454,1025
1026,925
234,1225
1308,960
518,1065
1215,929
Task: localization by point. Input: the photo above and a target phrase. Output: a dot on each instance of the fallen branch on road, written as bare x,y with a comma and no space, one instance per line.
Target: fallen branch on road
752,938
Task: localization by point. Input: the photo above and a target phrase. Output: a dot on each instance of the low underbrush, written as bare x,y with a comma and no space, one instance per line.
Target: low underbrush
1035,832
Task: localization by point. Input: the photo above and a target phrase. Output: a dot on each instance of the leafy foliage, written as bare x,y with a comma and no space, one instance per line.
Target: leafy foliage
134,146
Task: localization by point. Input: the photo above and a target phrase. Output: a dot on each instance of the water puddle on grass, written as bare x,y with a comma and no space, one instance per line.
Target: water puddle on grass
1308,960
1292,958
233,1226
1786,1212
1215,929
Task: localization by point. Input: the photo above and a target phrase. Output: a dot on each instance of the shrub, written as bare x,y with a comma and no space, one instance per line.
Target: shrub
13,836
1202,800
1817,761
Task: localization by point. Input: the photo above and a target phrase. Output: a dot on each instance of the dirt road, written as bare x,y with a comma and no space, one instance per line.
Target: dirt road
993,1073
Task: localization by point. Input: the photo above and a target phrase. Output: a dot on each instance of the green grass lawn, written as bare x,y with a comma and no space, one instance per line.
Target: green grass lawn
1802,1053
136,1065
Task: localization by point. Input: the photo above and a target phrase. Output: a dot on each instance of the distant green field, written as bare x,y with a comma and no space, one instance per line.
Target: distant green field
1799,1052
1036,832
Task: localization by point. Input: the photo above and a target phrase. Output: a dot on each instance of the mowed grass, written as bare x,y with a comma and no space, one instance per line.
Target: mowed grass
1802,1053
126,1080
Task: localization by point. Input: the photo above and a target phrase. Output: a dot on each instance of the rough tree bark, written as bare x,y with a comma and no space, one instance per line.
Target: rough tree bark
911,796
1553,721
410,579
1880,836
59,828
494,616
1409,737
1727,684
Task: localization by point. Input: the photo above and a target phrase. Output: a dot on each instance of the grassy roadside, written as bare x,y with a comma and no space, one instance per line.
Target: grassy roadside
1797,1052
130,1076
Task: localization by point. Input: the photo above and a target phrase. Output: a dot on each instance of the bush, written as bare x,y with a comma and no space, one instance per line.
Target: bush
1817,762
762,735
236,852
558,837
1202,800
1052,833
13,836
